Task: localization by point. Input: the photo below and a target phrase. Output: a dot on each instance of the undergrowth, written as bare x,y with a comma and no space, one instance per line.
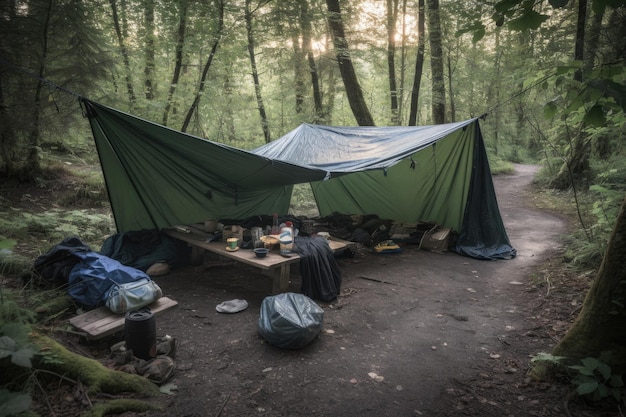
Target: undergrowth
593,211
65,200
42,230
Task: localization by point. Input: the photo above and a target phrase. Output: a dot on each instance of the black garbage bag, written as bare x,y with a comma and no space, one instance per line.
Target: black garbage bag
290,320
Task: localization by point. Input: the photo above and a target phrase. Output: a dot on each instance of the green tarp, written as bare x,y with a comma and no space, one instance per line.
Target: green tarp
157,177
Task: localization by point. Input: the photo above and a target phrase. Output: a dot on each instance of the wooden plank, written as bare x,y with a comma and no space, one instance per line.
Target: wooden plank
102,322
337,244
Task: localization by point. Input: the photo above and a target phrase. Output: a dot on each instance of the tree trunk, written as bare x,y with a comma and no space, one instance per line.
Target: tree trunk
580,37
392,17
576,166
121,40
180,43
494,97
149,51
401,87
601,325
8,136
228,121
205,71
419,64
450,90
602,146
307,45
350,81
255,74
330,92
32,167
436,63
299,65
593,41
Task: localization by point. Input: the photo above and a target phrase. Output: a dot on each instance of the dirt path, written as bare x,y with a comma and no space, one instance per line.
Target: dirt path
443,333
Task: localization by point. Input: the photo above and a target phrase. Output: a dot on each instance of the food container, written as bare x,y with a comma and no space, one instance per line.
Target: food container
286,239
269,241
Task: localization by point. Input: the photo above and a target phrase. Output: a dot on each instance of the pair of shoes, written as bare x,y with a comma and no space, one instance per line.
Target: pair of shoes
232,306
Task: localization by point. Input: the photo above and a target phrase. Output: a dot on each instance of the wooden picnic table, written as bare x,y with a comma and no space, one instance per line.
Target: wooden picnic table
273,264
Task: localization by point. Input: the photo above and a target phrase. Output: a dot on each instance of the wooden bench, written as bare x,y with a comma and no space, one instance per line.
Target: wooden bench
273,265
102,322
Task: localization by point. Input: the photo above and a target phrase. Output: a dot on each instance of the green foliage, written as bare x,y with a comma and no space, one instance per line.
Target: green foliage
500,166
582,253
15,349
548,358
6,244
599,209
11,311
10,262
14,345
592,379
595,381
303,201
13,403
57,224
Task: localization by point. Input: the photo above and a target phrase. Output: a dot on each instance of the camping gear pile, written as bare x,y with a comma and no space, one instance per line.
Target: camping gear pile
93,279
158,366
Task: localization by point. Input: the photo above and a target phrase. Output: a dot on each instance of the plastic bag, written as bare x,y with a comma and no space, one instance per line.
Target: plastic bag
290,320
133,295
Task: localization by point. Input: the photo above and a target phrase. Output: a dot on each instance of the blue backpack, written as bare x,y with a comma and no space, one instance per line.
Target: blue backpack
94,275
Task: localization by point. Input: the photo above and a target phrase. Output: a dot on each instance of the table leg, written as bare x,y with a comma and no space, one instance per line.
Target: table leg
197,255
280,279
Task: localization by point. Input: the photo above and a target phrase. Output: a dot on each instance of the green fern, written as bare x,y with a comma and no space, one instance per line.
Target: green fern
593,379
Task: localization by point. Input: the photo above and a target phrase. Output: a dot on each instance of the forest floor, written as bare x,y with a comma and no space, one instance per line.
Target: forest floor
412,334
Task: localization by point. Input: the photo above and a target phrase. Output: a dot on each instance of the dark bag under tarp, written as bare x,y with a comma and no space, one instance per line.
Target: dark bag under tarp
290,320
92,278
142,248
54,266
321,276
